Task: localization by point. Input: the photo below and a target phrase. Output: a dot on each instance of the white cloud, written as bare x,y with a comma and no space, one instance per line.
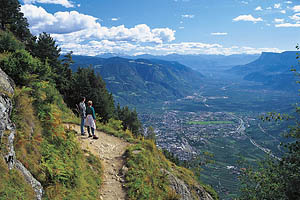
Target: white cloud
70,26
287,25
277,20
269,8
65,3
245,2
258,8
188,16
283,11
288,2
115,19
277,5
97,47
60,22
249,18
296,8
296,17
219,33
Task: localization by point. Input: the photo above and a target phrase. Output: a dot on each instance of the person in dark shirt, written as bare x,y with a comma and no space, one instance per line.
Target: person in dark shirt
90,120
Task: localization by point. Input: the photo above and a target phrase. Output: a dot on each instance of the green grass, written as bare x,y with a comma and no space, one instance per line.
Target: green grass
13,185
146,178
48,150
209,122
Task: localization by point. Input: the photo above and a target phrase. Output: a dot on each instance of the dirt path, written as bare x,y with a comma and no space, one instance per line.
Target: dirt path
110,150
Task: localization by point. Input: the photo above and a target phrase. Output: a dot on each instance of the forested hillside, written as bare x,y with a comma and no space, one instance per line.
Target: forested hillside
273,70
143,81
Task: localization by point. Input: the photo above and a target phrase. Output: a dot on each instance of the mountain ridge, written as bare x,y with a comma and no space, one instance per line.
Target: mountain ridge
143,80
271,69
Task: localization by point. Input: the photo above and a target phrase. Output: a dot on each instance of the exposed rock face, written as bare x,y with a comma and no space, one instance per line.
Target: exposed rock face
37,187
7,133
182,189
7,128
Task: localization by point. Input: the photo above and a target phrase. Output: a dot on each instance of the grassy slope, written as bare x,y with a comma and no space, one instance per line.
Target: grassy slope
145,178
50,152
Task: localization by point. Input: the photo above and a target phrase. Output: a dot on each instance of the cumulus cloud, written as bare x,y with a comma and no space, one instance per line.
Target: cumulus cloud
84,35
188,16
283,11
115,19
288,25
277,5
296,8
70,26
98,47
296,17
258,8
60,22
288,2
276,20
65,3
219,33
249,18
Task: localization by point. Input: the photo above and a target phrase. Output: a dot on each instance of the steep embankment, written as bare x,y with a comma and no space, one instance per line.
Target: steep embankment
110,150
139,171
26,183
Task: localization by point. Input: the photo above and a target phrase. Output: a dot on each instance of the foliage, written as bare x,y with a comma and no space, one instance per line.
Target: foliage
28,138
87,83
147,178
67,174
129,120
50,152
11,18
13,184
276,179
23,68
45,48
8,42
114,127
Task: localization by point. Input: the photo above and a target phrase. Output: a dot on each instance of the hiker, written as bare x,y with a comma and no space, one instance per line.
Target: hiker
90,120
82,110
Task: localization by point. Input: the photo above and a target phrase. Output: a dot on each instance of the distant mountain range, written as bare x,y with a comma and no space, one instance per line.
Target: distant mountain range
201,62
271,69
143,80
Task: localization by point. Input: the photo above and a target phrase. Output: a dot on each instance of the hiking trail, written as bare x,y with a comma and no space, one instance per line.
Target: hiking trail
110,150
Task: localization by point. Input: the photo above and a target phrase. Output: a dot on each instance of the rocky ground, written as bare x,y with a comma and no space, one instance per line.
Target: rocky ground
110,150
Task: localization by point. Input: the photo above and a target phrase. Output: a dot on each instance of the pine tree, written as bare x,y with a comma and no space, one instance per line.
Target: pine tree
11,18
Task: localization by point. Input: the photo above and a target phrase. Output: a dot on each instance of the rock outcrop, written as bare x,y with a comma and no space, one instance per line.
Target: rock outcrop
182,189
7,129
7,133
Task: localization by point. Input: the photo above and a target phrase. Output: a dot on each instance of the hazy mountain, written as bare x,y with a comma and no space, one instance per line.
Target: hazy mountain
143,80
201,62
271,69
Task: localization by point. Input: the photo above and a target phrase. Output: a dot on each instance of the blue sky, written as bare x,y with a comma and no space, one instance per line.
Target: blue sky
92,27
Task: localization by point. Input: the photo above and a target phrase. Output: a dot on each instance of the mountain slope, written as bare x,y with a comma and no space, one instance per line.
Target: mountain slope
271,69
142,80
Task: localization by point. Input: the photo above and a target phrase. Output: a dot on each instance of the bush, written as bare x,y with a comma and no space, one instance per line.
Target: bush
9,43
23,68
